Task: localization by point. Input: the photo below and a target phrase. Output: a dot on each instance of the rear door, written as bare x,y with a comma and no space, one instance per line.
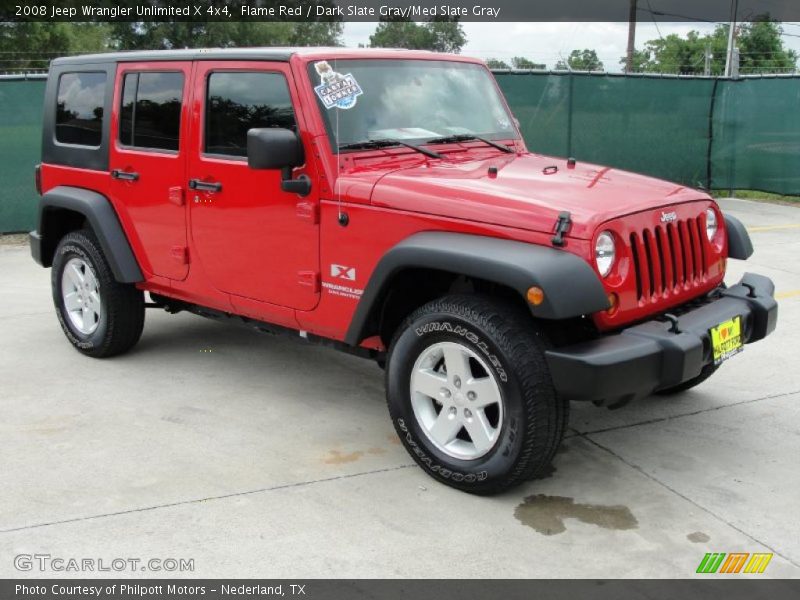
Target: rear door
148,160
253,239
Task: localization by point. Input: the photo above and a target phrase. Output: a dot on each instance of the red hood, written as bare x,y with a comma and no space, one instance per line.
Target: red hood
520,195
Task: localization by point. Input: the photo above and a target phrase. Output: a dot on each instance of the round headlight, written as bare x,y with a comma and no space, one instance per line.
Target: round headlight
711,223
604,251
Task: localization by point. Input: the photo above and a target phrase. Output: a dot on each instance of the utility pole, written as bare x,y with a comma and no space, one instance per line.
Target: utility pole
631,37
731,39
707,67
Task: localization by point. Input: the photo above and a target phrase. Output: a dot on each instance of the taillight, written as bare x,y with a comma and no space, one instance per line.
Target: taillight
38,178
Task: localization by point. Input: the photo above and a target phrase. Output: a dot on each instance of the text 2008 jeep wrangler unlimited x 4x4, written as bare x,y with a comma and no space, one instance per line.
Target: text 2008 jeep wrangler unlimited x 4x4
384,202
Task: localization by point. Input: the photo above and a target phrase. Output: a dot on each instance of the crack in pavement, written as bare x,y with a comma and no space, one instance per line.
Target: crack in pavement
687,499
207,499
680,416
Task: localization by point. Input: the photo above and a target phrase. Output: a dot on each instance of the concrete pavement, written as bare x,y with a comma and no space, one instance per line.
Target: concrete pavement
259,456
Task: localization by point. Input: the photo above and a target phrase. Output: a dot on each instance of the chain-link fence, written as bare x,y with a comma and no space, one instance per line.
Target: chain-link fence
714,133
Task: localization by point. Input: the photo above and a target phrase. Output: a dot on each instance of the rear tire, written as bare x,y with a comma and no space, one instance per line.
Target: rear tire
100,316
470,394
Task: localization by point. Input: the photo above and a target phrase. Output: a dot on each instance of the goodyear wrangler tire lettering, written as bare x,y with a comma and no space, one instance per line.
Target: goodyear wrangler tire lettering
468,478
469,336
498,342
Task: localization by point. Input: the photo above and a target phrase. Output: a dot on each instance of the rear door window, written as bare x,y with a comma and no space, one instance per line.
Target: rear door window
79,108
150,115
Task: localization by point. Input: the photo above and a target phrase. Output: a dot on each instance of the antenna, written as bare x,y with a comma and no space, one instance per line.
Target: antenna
336,191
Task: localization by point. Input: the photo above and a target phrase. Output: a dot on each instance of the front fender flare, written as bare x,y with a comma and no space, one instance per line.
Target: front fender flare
571,287
739,245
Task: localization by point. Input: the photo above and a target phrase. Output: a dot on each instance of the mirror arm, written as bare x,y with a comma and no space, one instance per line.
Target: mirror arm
300,186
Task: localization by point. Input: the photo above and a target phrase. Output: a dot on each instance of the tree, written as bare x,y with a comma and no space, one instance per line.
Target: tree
165,35
520,62
494,63
760,49
581,60
446,35
439,35
31,45
674,54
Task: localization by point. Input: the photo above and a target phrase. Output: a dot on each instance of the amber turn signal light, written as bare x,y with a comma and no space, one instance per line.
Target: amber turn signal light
535,295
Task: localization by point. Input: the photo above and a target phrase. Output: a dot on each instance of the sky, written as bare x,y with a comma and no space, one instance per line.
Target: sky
547,42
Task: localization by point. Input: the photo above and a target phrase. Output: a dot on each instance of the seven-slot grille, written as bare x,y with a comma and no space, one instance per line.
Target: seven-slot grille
669,257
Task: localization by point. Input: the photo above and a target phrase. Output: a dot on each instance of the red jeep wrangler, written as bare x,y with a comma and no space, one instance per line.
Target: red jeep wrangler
383,202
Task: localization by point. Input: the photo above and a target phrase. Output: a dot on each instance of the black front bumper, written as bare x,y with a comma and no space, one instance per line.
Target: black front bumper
649,357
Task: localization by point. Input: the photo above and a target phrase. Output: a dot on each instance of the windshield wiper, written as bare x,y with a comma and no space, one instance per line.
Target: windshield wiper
466,137
385,143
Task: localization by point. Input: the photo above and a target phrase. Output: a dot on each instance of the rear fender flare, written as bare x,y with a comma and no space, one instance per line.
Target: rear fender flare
102,219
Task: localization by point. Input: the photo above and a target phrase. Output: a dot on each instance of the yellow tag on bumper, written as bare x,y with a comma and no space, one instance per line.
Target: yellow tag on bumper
726,339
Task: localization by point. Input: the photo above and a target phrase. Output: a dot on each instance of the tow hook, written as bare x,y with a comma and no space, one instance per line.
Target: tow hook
751,290
673,328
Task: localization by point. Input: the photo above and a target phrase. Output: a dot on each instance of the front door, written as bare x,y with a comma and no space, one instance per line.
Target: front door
148,160
252,239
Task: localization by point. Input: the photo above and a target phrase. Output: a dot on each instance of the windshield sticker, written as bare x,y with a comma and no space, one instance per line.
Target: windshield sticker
336,90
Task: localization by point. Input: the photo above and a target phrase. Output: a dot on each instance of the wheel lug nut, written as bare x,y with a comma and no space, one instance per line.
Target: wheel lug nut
467,413
472,395
452,412
457,381
446,393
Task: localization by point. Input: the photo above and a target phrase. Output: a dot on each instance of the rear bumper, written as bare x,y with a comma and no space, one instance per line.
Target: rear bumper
35,240
648,357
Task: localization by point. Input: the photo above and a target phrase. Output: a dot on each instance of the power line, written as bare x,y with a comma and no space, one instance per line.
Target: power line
653,17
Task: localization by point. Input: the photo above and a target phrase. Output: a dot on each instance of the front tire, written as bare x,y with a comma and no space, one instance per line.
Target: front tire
100,316
470,394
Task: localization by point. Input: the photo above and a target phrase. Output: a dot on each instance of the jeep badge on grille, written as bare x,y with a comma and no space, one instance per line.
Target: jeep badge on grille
669,217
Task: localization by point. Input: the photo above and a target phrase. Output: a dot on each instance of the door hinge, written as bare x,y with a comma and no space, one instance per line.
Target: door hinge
176,195
308,211
181,254
309,279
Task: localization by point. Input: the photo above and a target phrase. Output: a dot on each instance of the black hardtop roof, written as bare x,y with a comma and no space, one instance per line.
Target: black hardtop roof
260,53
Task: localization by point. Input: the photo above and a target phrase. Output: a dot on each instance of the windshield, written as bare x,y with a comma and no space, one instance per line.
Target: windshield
411,100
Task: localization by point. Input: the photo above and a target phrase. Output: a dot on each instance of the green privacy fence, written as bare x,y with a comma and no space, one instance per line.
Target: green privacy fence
756,135
638,124
20,145
716,133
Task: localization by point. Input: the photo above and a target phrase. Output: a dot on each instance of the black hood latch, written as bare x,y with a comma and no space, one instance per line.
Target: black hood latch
562,226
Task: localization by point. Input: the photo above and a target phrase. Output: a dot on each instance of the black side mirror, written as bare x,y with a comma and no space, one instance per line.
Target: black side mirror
273,148
278,148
